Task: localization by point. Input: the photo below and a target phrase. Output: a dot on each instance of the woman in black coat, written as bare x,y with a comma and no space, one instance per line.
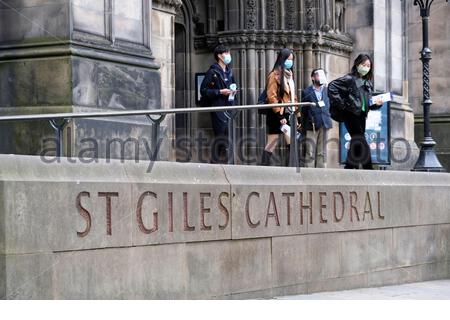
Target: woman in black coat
352,93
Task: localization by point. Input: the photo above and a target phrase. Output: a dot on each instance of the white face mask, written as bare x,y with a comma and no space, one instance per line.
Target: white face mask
322,77
227,59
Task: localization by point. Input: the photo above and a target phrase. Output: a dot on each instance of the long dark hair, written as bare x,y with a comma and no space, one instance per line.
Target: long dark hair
283,55
361,58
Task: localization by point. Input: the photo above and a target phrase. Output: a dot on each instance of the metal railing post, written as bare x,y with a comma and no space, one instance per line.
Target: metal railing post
156,125
293,154
59,128
231,139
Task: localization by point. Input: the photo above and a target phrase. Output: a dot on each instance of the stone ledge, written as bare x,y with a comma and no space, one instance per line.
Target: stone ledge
81,225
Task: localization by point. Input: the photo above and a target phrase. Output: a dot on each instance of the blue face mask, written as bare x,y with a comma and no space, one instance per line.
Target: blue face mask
288,64
227,59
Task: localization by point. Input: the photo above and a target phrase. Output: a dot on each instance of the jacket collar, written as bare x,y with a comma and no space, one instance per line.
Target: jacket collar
277,75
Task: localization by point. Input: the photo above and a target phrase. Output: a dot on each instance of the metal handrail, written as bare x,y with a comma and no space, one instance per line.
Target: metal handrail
51,116
59,121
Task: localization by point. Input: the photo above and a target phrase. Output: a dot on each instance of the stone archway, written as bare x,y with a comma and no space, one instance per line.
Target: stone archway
183,74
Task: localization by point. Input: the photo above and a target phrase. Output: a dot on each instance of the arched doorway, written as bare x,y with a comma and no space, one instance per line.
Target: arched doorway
182,55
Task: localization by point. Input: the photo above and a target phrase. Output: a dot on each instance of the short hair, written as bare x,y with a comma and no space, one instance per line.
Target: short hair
219,50
315,70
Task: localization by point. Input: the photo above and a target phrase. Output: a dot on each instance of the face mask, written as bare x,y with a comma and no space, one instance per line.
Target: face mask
227,59
363,70
288,64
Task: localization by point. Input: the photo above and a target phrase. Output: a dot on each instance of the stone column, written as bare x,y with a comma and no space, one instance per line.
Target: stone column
251,97
163,44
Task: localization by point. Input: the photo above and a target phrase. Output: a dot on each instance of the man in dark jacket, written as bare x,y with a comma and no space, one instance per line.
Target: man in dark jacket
316,121
218,89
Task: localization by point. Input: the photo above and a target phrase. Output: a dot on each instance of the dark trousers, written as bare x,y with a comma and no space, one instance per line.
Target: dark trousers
359,152
220,143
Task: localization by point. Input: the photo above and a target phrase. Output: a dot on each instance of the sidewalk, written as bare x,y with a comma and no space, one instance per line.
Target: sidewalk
431,290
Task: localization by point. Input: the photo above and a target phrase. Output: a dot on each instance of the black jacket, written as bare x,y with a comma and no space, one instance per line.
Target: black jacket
320,116
345,93
215,80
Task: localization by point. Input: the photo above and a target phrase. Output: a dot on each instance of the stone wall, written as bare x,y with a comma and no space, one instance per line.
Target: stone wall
191,231
76,56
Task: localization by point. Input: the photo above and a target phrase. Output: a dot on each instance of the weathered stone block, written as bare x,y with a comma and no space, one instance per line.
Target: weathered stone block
131,273
434,271
434,210
290,290
29,276
229,267
43,82
345,283
380,249
128,21
324,253
289,260
2,276
159,272
393,276
92,274
35,21
89,16
354,253
416,245
115,86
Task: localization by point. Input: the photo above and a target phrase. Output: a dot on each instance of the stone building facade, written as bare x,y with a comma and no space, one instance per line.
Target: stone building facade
327,34
79,55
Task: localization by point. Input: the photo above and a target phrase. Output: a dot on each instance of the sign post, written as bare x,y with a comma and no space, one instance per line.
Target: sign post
378,136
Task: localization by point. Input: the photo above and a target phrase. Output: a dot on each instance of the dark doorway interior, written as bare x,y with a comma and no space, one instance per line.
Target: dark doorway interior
181,90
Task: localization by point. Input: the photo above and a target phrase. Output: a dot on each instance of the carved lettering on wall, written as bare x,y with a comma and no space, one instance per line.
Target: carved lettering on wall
204,211
84,213
108,196
140,222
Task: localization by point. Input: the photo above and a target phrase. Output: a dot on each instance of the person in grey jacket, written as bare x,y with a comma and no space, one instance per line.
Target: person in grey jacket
316,121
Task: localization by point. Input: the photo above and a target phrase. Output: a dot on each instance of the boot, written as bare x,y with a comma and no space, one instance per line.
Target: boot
287,155
265,160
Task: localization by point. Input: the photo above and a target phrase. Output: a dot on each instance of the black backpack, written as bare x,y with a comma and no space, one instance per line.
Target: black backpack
262,99
336,110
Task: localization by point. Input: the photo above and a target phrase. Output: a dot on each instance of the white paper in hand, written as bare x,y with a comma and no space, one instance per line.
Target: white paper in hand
385,97
287,132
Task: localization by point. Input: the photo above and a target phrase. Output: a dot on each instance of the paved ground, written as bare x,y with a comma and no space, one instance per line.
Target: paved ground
431,290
